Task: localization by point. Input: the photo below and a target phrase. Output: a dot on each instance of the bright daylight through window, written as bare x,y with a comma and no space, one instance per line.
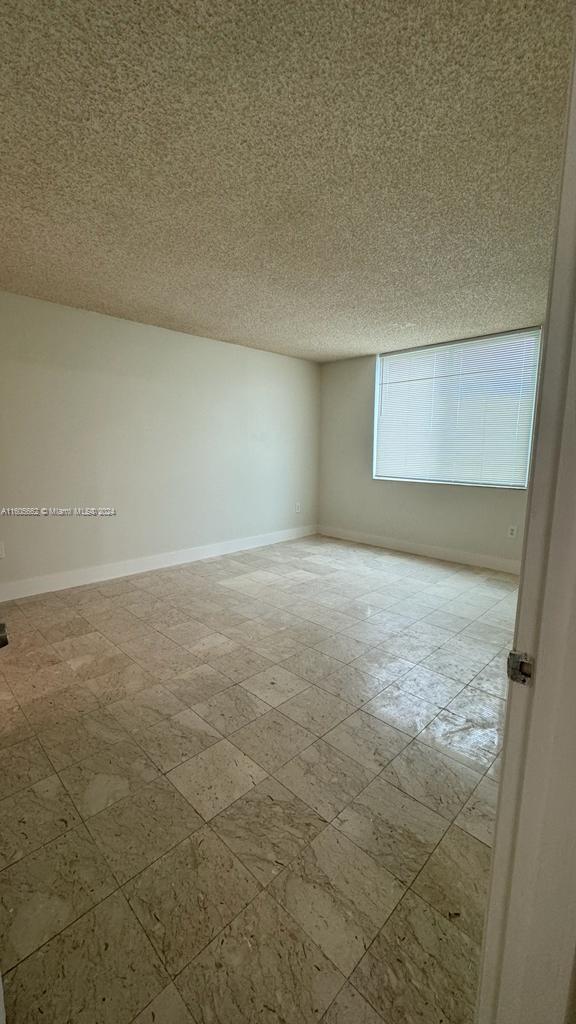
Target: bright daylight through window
458,413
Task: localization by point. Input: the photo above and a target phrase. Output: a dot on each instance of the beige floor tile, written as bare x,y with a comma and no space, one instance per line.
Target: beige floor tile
33,817
317,710
124,973
117,625
159,655
275,685
119,685
272,740
215,778
324,778
240,664
262,967
312,665
367,740
231,709
350,1007
267,828
474,744
21,765
340,896
101,780
14,726
91,655
352,685
343,648
439,782
198,684
187,633
78,738
187,896
46,712
167,1008
478,816
455,881
420,968
31,682
137,830
146,708
176,739
47,890
396,830
402,710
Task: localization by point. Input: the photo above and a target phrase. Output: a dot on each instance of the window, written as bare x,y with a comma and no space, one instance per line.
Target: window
458,413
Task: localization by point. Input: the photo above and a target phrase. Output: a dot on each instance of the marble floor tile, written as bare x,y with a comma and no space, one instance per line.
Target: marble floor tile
187,896
176,739
21,765
117,624
439,782
276,648
167,1008
479,707
402,710
33,817
212,780
455,881
52,985
474,744
495,769
231,709
460,662
386,667
261,968
47,890
187,633
308,634
91,655
351,685
101,780
367,740
478,816
312,665
340,896
59,707
115,686
134,832
430,686
14,726
31,683
240,664
198,684
267,828
392,827
324,778
146,708
159,655
78,738
272,740
275,685
420,968
493,679
350,1007
317,710
409,646
343,648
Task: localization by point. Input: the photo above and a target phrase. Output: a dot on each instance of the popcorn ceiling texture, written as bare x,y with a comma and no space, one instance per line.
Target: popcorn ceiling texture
322,178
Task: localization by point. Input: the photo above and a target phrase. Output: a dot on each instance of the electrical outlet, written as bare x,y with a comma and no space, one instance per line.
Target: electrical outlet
512,531
2,550
297,507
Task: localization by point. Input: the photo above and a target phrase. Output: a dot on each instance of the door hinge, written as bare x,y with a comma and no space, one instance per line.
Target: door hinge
520,667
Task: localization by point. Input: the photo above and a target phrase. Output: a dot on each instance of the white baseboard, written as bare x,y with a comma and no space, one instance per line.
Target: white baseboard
112,570
428,550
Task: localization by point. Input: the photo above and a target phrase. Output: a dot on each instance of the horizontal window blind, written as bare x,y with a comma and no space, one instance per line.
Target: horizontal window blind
458,413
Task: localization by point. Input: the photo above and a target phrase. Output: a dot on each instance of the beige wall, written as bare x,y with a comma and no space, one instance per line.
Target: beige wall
463,523
194,441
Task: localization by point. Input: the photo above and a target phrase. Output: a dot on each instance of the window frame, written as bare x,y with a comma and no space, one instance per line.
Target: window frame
441,344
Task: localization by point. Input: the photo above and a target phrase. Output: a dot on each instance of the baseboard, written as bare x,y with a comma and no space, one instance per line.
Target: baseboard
428,550
112,570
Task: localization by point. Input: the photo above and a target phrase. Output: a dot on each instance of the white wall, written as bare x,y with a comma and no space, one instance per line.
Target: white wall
194,441
462,523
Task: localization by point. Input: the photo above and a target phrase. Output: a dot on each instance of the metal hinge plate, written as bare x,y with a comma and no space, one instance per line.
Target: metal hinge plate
520,667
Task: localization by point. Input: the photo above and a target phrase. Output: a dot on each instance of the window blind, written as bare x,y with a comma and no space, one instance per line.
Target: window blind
458,413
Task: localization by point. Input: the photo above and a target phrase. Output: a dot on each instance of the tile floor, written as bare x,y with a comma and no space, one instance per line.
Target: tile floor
259,788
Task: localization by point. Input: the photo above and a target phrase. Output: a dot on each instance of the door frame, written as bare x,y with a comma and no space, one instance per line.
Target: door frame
529,955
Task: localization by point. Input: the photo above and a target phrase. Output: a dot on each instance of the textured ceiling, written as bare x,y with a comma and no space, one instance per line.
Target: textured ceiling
323,178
